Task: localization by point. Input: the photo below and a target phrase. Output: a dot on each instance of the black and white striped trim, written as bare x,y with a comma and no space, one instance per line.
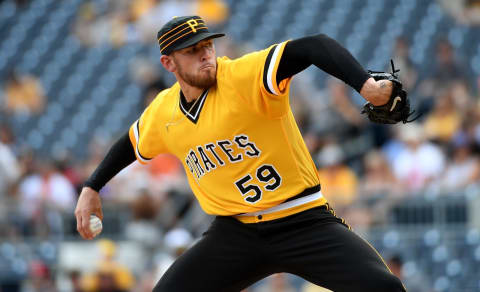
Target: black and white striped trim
197,108
268,80
136,133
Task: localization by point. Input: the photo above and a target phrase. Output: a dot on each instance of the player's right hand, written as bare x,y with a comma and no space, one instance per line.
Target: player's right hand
88,203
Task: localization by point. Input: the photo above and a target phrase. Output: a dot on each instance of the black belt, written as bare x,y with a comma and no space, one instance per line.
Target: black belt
305,192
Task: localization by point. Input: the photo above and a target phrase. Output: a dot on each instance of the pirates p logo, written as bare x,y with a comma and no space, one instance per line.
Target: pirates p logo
193,23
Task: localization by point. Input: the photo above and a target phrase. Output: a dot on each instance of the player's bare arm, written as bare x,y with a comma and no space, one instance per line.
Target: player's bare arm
119,156
331,57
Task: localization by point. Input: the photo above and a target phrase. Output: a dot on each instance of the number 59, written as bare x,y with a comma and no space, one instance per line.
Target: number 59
252,192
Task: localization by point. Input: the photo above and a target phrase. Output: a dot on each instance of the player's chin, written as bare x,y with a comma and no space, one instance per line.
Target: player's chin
208,79
208,82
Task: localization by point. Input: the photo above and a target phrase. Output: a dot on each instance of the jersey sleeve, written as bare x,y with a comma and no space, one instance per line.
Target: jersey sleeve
146,135
254,76
269,76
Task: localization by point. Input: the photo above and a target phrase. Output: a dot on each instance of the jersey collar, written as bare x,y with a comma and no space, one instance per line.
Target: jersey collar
192,110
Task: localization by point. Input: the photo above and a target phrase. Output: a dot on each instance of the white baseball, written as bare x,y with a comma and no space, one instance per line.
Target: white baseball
95,225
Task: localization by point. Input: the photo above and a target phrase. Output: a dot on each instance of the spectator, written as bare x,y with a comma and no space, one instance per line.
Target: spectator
342,104
6,135
378,189
401,58
109,276
176,242
140,7
447,70
41,278
75,278
24,94
300,107
464,11
447,67
86,17
9,167
348,115
107,281
420,162
166,165
415,283
147,26
145,73
214,12
93,28
313,141
143,228
462,96
227,47
339,182
333,111
472,11
47,188
463,169
378,180
148,77
150,92
161,176
120,29
445,120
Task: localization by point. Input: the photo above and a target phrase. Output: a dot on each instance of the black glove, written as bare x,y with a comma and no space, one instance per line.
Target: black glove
397,109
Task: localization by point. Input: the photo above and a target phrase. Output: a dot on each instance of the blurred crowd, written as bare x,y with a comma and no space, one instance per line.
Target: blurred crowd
464,11
365,169
123,21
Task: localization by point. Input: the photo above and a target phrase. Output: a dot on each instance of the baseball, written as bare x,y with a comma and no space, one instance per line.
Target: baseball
95,225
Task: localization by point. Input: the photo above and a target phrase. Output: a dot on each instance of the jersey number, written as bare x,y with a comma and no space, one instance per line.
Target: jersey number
266,174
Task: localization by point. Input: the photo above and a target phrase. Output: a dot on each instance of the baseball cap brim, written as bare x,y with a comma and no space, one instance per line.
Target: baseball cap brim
197,38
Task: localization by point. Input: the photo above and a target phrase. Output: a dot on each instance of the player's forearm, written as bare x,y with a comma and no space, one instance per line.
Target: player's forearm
118,157
325,53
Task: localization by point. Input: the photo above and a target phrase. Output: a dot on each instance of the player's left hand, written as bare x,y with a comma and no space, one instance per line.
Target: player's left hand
88,203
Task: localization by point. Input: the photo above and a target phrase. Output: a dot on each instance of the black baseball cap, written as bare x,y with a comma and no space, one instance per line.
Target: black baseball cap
182,32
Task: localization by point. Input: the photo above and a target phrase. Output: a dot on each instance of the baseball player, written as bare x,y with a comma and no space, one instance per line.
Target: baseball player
230,124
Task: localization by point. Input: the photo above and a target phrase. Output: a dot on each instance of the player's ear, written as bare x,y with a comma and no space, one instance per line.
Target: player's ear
168,63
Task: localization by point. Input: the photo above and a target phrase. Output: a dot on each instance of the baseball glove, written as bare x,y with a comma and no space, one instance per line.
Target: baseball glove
397,109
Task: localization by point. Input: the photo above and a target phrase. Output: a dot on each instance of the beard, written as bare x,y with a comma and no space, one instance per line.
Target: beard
203,79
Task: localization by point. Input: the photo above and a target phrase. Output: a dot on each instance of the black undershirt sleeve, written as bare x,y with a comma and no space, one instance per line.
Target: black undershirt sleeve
118,157
325,53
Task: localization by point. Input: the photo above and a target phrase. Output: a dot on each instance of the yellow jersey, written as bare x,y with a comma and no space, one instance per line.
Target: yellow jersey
239,143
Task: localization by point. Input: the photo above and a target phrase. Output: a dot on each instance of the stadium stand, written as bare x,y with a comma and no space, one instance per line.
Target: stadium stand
90,94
